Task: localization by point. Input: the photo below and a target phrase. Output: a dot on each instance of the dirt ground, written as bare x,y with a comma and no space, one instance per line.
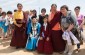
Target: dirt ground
5,49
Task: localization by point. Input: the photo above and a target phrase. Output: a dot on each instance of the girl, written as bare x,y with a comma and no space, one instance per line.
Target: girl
44,44
33,31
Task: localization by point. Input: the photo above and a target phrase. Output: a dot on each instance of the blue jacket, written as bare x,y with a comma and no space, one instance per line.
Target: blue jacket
29,28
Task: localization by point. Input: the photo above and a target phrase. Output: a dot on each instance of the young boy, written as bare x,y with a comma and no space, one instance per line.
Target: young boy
9,22
2,25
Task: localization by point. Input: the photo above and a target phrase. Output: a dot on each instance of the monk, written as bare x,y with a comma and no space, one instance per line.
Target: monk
19,38
55,29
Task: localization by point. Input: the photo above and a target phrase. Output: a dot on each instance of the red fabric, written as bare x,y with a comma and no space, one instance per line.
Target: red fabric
43,44
56,19
48,47
40,47
19,38
57,42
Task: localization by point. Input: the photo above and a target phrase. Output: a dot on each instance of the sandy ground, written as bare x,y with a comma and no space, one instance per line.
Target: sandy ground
5,49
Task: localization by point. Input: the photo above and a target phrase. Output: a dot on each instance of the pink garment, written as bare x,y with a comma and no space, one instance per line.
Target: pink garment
80,19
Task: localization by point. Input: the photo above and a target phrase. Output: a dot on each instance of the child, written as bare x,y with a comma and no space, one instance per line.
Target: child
33,31
3,26
9,22
44,44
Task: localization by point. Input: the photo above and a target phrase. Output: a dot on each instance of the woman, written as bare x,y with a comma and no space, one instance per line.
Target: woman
80,19
55,29
19,36
41,16
69,26
33,30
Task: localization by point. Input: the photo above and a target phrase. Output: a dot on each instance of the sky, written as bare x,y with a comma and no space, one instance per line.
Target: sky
39,4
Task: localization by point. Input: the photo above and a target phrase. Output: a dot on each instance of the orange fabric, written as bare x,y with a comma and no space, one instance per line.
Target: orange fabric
57,26
51,15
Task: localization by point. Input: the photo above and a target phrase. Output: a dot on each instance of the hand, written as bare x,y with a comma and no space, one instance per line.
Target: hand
70,27
41,38
47,39
80,26
62,30
19,25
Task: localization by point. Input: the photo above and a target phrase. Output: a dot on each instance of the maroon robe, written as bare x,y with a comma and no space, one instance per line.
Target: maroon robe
19,38
56,35
45,46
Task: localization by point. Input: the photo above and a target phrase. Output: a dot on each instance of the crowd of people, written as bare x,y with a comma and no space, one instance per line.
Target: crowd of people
58,31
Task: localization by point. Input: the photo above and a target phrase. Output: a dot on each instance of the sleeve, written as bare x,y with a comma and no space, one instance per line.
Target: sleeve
29,29
38,28
41,31
14,16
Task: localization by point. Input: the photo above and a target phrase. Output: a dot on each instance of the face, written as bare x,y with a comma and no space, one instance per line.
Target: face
43,12
4,15
9,15
63,11
45,20
34,20
53,8
20,7
77,10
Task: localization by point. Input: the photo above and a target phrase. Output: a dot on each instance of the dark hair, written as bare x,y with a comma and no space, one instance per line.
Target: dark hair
77,7
15,10
35,13
9,12
3,13
19,4
33,17
43,10
64,6
53,5
46,16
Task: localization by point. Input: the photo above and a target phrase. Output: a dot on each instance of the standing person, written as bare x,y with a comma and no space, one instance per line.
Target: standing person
0,11
55,29
19,36
42,15
9,22
44,43
69,26
80,19
3,25
33,31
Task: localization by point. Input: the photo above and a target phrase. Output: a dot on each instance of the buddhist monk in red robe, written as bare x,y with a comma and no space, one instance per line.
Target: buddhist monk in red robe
55,29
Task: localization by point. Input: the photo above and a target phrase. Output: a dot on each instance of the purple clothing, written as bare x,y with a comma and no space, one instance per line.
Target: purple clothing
80,19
